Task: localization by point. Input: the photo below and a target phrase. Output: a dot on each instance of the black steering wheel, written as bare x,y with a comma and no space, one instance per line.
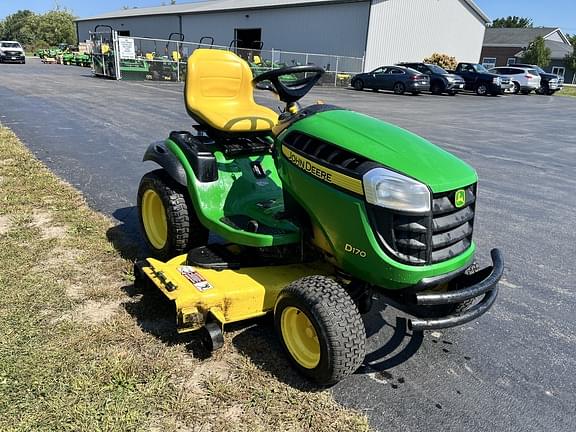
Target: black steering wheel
289,92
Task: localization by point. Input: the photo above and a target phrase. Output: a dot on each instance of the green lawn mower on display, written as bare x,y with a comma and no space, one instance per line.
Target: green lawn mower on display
313,210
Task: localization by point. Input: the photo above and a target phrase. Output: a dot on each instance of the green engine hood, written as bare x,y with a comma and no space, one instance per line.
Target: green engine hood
391,146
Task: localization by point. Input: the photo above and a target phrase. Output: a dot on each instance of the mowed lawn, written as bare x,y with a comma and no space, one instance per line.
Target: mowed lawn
82,349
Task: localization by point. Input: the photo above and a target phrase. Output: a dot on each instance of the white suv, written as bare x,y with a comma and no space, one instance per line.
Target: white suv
11,52
525,79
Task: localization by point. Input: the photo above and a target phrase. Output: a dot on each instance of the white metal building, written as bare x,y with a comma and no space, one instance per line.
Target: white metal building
381,31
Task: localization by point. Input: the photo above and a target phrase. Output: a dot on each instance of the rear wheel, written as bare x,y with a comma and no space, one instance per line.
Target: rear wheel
358,84
399,88
320,328
167,217
516,88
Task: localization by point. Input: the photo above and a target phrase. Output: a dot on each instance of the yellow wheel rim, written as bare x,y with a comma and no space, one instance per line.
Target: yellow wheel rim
154,219
300,337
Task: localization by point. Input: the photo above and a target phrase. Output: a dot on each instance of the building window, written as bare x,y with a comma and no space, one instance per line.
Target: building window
489,62
558,70
511,61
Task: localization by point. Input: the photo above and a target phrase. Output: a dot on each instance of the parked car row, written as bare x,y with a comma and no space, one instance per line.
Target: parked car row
422,77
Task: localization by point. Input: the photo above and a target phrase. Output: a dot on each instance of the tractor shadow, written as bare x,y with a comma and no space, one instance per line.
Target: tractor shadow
126,236
395,343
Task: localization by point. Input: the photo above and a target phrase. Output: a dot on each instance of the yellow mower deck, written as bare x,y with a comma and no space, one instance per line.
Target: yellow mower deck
228,295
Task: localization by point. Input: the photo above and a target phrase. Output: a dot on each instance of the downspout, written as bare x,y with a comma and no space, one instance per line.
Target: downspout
180,24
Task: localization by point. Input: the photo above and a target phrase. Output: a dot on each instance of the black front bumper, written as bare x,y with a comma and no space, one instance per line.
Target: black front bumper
482,283
12,58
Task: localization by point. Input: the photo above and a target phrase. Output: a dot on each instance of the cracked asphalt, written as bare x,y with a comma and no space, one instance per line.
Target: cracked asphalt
513,369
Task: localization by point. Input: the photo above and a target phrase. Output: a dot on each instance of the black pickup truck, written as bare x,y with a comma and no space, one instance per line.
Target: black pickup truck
481,81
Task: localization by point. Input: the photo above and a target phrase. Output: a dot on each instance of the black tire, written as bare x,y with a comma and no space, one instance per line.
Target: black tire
525,92
550,92
337,323
435,88
481,89
184,230
358,84
516,88
452,93
399,88
415,93
155,76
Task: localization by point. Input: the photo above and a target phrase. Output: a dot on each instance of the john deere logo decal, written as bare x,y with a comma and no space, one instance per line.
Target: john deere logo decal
460,198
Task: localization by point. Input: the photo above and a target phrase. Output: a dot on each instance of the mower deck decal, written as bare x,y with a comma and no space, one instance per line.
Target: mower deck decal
326,174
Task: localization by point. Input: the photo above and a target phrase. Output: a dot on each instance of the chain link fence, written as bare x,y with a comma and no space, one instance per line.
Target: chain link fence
165,59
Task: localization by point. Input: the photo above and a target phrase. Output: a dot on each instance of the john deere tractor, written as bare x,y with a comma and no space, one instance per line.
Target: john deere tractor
313,210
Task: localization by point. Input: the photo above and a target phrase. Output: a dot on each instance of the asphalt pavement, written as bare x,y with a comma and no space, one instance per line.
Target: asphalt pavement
513,369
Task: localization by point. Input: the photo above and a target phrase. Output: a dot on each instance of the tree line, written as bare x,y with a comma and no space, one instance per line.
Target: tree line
39,30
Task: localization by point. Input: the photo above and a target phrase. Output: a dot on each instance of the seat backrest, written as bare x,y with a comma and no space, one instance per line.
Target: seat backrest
217,77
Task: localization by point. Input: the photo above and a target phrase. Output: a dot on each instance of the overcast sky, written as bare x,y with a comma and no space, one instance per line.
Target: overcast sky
558,13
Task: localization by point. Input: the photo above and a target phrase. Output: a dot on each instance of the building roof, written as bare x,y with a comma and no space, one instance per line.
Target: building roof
232,5
513,37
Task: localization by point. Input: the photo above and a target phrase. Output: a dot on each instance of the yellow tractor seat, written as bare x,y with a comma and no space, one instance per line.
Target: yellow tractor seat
219,93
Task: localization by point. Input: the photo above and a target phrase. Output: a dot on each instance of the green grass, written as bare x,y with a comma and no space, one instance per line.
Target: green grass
73,352
567,91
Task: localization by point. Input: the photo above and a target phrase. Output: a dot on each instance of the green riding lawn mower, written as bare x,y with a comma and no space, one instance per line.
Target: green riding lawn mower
314,210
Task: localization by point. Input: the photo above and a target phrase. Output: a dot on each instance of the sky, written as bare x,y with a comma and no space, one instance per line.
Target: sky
559,13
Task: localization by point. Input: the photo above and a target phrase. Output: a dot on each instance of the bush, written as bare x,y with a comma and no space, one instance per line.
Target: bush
443,60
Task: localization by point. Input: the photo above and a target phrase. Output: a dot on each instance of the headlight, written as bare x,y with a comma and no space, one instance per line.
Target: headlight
496,80
554,80
389,189
450,79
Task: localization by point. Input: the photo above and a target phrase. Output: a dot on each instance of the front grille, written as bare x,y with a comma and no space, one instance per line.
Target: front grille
430,238
13,53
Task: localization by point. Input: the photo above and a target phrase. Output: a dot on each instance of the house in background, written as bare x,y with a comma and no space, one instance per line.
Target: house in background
504,46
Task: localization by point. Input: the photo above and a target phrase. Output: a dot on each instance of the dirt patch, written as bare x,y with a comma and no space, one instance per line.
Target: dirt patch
95,312
43,221
5,224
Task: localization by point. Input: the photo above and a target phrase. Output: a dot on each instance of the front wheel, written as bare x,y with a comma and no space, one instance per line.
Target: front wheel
320,328
167,217
358,85
516,88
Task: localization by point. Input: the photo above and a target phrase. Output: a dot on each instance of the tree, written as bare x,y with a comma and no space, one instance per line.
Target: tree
20,26
56,27
571,39
443,60
512,22
537,53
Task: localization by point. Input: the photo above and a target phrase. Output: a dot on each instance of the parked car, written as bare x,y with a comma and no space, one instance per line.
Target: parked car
441,81
11,52
524,79
550,83
481,81
399,79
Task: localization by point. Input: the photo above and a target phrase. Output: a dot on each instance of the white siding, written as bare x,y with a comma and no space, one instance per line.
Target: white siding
555,37
409,30
328,29
325,29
